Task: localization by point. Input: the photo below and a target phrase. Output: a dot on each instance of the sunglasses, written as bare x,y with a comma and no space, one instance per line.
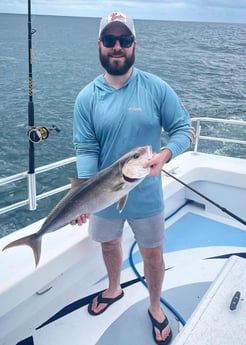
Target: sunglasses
110,40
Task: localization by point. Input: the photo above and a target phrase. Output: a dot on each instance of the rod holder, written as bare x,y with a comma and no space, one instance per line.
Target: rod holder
32,194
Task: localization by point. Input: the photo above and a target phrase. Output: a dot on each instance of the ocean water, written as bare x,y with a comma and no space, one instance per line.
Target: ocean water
204,62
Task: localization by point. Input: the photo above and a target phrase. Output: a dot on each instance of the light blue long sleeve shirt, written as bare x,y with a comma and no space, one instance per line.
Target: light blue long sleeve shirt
109,122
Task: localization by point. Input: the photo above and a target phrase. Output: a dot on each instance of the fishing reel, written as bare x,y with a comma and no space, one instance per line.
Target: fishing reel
37,134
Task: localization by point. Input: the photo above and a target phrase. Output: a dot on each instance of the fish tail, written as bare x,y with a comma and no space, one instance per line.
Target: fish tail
32,241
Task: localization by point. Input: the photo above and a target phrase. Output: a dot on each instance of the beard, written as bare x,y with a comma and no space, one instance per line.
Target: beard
117,67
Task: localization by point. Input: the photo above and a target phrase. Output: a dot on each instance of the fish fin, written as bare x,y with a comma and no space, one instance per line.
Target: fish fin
32,241
76,181
122,203
117,187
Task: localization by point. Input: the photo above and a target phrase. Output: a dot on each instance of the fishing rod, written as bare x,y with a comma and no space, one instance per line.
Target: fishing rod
31,171
35,134
223,209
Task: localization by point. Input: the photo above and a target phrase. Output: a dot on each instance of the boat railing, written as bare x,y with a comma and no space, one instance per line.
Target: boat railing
32,193
198,137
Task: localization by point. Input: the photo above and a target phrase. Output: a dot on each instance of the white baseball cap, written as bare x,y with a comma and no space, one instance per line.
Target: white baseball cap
116,18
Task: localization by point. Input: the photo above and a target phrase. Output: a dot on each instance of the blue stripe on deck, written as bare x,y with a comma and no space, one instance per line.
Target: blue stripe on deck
27,341
194,231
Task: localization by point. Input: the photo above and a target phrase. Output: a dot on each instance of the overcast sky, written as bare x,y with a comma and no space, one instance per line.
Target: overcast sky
186,10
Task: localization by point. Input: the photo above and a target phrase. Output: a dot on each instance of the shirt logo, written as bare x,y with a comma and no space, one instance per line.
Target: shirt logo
135,108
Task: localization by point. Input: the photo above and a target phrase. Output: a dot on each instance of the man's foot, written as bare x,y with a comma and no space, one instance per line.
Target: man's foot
162,332
103,301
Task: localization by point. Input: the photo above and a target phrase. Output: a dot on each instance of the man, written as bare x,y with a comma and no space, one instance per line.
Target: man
122,109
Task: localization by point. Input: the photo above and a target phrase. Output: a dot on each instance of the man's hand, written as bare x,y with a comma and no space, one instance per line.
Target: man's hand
157,161
82,219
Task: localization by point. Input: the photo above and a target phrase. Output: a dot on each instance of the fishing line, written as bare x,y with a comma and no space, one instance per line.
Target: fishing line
223,209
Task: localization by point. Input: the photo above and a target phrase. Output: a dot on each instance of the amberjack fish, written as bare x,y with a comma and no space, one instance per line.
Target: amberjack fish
108,186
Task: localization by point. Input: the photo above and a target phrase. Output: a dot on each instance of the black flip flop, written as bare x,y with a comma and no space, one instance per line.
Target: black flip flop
104,300
160,326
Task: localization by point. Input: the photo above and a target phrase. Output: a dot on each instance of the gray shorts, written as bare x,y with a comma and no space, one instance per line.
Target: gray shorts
149,232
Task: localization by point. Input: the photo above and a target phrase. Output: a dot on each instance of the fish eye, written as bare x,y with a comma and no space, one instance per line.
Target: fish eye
136,156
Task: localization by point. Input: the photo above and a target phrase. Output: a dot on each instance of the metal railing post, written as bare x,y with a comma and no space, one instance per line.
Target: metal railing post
197,136
32,193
